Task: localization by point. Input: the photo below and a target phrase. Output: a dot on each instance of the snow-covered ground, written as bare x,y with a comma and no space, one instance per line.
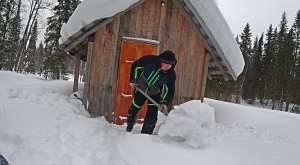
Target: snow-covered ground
42,124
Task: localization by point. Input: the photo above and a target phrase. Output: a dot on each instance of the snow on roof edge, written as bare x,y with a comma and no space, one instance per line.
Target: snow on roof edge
219,32
89,11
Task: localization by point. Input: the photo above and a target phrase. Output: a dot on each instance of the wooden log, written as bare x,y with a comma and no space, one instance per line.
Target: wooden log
157,15
145,17
138,23
113,71
162,20
151,17
85,35
76,77
204,79
87,74
225,76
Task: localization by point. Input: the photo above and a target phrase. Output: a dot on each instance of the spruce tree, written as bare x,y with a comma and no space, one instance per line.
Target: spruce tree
53,54
6,11
296,82
39,59
256,71
30,53
267,63
289,67
10,25
14,35
273,90
246,47
2,33
281,61
248,93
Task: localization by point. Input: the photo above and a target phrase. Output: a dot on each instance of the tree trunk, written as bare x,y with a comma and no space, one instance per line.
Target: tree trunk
281,100
287,106
34,9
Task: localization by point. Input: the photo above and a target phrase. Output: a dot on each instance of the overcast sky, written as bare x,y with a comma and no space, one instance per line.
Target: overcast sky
258,13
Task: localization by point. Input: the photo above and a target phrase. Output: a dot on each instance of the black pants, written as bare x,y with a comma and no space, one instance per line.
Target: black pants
151,114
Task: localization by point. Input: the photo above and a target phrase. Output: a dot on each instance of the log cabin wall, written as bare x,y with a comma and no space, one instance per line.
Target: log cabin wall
178,33
103,71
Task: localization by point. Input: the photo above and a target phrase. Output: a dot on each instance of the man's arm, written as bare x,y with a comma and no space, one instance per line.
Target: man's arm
169,90
138,66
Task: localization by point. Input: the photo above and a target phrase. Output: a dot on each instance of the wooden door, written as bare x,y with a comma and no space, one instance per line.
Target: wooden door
130,51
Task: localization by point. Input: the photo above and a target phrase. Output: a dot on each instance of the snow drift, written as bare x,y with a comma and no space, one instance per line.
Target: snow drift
40,124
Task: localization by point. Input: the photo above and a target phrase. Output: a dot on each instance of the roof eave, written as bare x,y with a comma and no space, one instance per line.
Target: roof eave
208,36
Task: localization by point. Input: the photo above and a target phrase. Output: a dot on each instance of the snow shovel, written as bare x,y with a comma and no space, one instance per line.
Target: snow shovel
160,108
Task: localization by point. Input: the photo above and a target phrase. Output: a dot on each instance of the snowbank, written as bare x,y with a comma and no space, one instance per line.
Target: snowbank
192,123
41,124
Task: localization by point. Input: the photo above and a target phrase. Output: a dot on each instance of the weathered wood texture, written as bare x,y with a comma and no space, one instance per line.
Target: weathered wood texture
88,74
77,68
174,32
167,24
103,71
183,38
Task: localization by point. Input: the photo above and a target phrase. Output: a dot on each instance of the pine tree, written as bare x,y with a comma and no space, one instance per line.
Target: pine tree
248,93
2,33
31,52
272,93
267,62
279,62
10,25
256,71
53,54
296,71
14,35
289,67
39,59
246,47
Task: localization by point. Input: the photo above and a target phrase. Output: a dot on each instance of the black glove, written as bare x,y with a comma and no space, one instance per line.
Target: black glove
133,81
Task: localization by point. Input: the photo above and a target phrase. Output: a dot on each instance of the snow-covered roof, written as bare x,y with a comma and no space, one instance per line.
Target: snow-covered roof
89,11
206,12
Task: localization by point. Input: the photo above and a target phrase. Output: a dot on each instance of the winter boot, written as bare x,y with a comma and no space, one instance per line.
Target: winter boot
148,128
131,120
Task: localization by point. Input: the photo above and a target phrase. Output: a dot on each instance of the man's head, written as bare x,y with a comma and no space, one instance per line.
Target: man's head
167,59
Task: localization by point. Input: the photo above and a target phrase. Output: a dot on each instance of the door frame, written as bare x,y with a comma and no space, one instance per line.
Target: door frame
122,119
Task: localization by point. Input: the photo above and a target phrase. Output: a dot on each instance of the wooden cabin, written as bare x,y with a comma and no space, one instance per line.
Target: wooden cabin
195,30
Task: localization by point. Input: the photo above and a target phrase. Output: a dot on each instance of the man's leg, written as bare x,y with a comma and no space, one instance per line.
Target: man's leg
137,101
151,117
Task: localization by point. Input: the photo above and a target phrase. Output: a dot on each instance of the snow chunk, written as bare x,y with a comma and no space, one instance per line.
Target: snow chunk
192,123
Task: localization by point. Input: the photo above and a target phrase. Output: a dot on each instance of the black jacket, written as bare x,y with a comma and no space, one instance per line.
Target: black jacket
147,73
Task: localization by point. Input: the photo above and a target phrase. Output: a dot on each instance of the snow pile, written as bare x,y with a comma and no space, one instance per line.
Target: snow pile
192,123
40,123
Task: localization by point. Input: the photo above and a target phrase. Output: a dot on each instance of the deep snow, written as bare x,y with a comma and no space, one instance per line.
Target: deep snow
40,123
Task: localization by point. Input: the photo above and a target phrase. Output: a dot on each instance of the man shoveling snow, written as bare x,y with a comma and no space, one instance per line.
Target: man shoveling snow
155,77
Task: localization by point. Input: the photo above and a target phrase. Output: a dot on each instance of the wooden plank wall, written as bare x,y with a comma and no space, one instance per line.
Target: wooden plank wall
143,21
104,71
183,38
179,35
